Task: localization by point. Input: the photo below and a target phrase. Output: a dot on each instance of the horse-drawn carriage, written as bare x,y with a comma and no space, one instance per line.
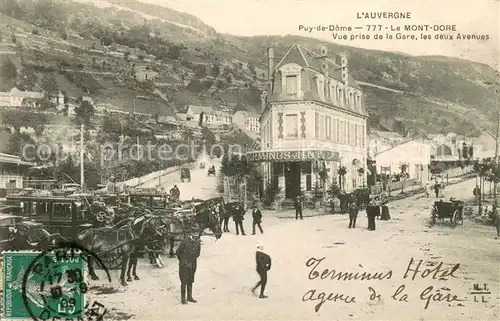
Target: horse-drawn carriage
211,171
453,210
185,174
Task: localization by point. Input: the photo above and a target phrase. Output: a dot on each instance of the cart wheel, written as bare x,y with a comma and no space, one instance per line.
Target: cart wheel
100,217
433,217
454,219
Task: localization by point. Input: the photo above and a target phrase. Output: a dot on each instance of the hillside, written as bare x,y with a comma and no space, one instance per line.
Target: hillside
102,51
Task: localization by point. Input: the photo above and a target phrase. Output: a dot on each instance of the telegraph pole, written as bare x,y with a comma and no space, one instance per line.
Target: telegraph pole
82,158
495,173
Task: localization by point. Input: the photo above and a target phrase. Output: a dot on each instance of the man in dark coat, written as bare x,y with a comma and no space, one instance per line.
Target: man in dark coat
239,212
263,262
175,192
353,215
372,211
298,208
187,254
437,186
257,219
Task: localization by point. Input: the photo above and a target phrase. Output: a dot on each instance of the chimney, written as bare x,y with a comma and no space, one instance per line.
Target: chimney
323,51
345,69
263,100
270,62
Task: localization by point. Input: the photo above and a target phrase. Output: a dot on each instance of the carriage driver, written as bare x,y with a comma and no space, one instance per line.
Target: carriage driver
175,192
187,254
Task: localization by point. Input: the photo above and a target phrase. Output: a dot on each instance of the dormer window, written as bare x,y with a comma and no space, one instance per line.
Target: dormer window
291,83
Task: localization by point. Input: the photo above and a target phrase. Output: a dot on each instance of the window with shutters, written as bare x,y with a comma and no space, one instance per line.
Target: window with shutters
322,127
337,131
292,126
356,135
291,85
328,127
348,133
342,132
363,134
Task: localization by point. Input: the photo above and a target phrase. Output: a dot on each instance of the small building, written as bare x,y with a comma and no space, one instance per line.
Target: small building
247,120
12,170
217,118
144,75
412,155
19,98
484,146
193,112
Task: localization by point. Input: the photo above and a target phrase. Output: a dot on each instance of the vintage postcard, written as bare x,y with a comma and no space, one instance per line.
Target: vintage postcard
249,160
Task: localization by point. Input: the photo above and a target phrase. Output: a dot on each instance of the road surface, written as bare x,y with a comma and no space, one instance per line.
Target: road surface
226,270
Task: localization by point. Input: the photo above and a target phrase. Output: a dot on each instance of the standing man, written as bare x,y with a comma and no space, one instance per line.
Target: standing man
257,219
263,262
436,189
353,214
239,212
371,212
298,207
187,254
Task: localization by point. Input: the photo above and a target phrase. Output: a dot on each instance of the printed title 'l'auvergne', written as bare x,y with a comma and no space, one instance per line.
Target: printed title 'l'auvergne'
383,15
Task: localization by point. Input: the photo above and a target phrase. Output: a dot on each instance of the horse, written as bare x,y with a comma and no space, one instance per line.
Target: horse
205,216
114,243
151,240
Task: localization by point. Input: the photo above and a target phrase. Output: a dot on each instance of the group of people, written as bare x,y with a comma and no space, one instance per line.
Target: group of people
438,189
377,207
239,216
189,250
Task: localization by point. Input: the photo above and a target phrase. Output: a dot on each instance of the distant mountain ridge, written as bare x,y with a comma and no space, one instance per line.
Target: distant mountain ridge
424,94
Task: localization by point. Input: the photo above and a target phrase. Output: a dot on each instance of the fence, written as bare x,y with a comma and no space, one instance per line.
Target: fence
395,186
158,175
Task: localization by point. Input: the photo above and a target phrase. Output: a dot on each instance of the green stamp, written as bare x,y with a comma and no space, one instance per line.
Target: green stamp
40,286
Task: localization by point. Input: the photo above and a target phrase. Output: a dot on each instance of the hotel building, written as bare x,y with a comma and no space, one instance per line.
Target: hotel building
313,119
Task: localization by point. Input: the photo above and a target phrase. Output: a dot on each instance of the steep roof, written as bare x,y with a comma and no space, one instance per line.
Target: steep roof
307,58
198,109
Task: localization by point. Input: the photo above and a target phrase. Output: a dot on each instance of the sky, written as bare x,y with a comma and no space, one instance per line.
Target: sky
282,17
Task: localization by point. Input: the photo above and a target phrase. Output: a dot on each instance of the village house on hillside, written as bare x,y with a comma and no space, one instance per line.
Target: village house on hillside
146,75
193,112
313,121
217,118
484,145
247,120
413,156
19,98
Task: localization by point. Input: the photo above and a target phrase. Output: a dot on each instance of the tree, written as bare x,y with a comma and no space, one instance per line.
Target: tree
174,52
84,113
27,79
49,85
8,70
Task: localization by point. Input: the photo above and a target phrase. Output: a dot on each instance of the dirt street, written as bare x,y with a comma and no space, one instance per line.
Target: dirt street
226,271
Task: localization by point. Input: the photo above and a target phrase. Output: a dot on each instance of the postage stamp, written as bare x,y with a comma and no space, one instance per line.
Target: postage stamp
39,286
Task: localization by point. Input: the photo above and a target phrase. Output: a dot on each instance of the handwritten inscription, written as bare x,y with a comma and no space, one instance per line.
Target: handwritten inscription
414,270
437,271
343,276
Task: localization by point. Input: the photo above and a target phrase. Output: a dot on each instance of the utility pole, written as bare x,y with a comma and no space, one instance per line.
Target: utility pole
495,173
82,158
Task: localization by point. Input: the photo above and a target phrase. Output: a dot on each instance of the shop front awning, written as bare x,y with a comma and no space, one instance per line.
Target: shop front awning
302,155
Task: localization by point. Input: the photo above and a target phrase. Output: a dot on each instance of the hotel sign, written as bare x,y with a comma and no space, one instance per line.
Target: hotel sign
292,156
